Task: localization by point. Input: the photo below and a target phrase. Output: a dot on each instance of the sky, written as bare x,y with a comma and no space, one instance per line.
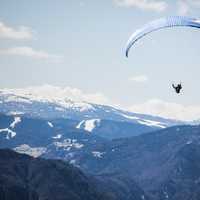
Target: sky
80,44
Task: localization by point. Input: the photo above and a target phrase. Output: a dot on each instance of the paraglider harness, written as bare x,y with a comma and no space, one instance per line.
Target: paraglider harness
177,88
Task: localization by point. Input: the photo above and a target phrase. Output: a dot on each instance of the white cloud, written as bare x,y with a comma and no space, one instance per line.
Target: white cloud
168,110
186,6
139,79
152,5
183,8
18,33
30,52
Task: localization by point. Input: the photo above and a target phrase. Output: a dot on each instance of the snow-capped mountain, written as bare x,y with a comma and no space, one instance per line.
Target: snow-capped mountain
157,157
53,102
98,139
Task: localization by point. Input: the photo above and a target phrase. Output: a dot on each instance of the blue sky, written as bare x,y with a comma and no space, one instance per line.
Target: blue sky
80,44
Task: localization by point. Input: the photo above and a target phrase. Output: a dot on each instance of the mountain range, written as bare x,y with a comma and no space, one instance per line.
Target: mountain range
24,177
122,153
51,103
164,163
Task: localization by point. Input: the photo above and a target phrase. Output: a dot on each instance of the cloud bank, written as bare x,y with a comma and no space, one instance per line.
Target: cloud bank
168,110
19,33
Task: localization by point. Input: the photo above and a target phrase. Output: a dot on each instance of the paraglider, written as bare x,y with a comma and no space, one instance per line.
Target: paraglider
173,21
177,88
161,24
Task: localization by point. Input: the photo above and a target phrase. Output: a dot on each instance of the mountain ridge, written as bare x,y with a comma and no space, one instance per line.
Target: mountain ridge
53,102
23,177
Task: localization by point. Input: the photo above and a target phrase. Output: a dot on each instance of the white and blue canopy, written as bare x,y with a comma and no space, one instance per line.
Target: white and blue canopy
161,24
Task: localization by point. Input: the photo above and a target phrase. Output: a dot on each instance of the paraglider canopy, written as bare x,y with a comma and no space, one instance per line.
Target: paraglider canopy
161,24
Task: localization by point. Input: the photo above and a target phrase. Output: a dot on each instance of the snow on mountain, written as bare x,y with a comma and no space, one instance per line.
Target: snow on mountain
64,97
9,133
57,136
15,113
17,99
31,151
80,124
51,102
50,124
152,123
98,154
146,122
88,125
67,144
15,122
129,117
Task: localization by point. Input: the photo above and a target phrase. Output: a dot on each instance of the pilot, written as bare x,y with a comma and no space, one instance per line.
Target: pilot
177,88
